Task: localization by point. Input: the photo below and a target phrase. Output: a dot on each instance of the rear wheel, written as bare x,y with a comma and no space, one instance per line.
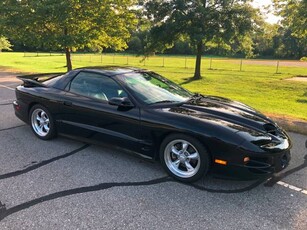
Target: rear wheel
184,157
42,123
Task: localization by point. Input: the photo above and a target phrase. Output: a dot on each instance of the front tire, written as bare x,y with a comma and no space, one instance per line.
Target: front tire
42,123
184,157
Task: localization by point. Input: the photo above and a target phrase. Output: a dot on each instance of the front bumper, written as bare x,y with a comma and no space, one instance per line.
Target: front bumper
268,165
259,165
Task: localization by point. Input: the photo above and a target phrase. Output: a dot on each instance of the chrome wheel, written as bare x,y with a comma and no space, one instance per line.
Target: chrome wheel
40,122
182,158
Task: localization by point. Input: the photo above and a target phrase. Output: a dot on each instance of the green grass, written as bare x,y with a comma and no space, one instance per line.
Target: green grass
257,84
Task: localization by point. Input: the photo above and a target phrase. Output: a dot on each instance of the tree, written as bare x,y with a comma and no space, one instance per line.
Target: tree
4,44
69,24
293,26
264,39
286,45
202,21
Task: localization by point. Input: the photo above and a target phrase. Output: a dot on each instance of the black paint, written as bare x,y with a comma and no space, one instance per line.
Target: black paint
143,126
42,163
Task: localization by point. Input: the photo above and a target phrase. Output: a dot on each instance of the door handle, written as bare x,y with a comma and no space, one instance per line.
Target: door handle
67,103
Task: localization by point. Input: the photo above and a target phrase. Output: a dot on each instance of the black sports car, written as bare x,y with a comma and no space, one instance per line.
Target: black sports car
146,113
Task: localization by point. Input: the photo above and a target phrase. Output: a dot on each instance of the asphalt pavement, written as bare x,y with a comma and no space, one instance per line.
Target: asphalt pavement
67,184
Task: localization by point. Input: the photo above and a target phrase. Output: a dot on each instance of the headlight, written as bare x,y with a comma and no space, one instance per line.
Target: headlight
281,144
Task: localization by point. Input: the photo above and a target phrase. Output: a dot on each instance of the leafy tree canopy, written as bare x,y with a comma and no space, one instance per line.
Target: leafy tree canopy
69,24
294,13
202,21
293,26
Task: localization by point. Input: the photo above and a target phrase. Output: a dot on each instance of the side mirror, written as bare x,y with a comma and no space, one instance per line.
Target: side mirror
121,102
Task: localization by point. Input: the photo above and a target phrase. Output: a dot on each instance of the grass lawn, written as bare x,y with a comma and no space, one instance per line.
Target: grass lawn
257,84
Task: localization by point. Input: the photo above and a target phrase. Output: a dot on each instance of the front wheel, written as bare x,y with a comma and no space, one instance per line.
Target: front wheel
42,123
184,157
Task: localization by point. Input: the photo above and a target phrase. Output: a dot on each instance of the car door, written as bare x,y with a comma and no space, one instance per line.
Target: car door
85,112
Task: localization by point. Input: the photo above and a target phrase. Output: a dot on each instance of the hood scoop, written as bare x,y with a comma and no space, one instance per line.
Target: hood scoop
274,130
271,129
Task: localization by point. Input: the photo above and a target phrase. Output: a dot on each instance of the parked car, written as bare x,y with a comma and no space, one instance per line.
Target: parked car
146,113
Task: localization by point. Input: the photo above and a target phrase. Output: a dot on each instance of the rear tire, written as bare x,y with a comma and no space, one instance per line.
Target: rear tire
184,157
42,123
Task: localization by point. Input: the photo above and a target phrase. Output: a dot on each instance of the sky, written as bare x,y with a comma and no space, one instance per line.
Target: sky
269,17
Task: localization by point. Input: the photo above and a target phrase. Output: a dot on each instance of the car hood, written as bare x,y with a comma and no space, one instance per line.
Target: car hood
222,109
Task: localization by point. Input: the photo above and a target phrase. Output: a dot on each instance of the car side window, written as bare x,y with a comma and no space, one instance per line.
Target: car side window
96,86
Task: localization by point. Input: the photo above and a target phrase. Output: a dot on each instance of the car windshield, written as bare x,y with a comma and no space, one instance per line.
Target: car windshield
151,88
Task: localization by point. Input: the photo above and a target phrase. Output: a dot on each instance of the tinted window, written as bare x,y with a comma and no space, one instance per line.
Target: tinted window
96,86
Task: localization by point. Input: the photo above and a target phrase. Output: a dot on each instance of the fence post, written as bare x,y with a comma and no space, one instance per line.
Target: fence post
277,66
210,63
241,65
185,62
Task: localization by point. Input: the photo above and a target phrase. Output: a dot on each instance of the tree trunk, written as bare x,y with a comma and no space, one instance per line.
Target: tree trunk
197,74
68,59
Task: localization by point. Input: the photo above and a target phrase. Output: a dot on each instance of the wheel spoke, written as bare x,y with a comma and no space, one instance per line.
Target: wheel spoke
176,163
40,127
193,156
175,151
184,146
46,128
188,166
38,118
43,115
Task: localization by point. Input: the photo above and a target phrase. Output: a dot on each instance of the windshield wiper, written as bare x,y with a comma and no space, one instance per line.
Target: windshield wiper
196,97
164,101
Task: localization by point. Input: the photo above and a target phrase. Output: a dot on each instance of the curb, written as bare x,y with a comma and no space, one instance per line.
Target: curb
290,124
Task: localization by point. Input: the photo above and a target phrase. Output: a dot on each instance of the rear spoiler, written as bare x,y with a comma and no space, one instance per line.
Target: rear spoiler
33,80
